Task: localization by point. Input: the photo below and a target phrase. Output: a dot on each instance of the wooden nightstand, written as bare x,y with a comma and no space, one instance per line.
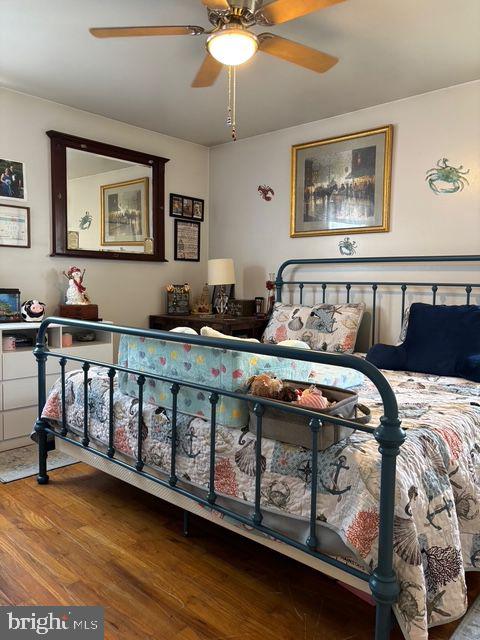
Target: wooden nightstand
249,326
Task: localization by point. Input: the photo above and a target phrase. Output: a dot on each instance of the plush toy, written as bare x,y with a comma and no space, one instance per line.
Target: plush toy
312,398
32,311
288,394
265,386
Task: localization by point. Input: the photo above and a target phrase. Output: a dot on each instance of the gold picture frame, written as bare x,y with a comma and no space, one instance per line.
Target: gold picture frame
125,213
343,189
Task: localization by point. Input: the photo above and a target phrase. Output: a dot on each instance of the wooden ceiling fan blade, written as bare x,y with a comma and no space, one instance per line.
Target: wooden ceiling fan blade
131,32
217,5
296,53
208,72
280,11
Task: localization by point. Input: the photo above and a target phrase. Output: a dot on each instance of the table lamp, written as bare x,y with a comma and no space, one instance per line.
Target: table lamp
220,273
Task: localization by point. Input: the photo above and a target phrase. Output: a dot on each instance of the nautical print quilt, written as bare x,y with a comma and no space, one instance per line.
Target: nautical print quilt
437,509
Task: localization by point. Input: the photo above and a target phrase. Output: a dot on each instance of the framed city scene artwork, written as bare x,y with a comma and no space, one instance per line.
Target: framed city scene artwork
125,212
342,184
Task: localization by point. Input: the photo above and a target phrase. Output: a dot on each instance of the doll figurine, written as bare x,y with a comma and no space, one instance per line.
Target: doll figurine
76,292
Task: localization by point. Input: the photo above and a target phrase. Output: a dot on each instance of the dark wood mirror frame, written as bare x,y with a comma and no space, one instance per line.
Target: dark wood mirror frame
59,143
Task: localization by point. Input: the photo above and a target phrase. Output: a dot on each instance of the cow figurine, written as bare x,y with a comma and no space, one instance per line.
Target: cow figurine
32,311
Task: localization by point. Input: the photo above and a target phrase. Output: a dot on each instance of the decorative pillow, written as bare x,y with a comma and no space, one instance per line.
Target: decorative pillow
324,327
188,330
208,332
293,344
442,340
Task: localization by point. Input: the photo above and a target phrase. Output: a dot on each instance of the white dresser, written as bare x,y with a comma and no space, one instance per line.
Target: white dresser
18,376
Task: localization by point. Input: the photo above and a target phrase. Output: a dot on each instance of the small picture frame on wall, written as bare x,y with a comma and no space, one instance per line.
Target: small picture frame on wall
176,206
14,226
198,208
187,207
73,240
187,241
12,180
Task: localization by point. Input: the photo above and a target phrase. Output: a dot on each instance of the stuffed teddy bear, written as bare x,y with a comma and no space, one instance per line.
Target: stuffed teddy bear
265,386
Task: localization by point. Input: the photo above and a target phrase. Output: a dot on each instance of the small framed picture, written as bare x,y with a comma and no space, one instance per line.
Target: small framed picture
217,290
187,241
73,240
198,209
12,180
187,207
176,205
14,226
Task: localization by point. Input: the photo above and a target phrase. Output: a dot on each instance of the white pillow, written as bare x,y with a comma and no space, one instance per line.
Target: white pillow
208,332
184,330
294,344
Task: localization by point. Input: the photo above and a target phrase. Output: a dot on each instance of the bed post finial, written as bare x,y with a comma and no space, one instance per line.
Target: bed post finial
383,582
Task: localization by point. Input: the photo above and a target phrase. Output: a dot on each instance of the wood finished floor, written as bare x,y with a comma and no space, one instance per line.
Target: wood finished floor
87,538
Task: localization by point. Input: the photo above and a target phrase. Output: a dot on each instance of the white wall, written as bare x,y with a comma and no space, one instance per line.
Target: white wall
427,127
126,292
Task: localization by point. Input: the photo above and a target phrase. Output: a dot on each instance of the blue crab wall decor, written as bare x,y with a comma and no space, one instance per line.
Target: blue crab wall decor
85,221
444,178
347,247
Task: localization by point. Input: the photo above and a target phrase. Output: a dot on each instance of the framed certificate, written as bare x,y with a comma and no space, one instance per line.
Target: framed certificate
187,241
14,226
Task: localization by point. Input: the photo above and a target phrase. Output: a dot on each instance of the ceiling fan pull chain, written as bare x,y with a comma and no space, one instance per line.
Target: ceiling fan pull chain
234,104
231,114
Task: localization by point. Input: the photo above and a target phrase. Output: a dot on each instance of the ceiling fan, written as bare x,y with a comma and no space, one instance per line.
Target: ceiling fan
231,43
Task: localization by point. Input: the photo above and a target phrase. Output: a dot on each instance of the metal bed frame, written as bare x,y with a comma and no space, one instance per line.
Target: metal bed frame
382,581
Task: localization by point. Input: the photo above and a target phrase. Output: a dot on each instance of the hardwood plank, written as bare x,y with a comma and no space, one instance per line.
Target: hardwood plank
88,538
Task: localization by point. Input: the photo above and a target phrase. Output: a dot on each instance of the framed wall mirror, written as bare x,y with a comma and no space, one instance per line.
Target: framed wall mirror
107,201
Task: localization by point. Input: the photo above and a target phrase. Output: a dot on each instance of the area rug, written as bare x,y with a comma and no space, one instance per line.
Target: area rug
469,628
22,462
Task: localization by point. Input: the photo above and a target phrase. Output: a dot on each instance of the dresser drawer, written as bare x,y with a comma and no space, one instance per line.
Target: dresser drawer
18,422
23,392
22,364
101,352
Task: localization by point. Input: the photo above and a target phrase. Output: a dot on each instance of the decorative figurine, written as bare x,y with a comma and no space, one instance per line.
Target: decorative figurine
347,247
33,311
76,292
202,305
444,178
266,192
78,303
85,221
270,285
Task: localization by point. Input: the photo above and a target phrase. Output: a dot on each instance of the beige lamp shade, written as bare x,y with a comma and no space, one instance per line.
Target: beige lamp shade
221,271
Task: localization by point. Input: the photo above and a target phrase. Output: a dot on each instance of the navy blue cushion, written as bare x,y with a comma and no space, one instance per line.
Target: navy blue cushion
441,339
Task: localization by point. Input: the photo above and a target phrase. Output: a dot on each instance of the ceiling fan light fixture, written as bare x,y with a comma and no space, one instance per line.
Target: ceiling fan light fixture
232,46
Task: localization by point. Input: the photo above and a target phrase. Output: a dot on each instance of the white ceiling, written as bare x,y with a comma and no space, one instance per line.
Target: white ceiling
388,49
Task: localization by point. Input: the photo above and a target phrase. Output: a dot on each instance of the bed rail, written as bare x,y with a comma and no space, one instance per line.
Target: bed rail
388,433
402,286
